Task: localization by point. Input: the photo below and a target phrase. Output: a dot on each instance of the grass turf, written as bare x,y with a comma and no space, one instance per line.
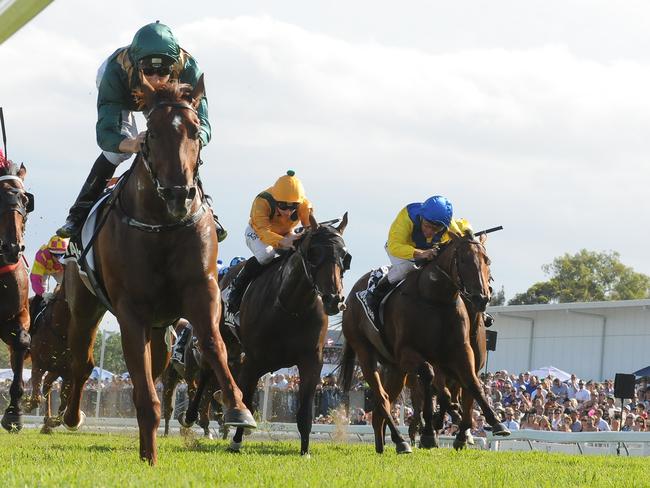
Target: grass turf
69,459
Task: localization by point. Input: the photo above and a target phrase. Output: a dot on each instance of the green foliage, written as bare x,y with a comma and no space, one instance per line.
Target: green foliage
4,356
80,460
499,298
113,357
586,276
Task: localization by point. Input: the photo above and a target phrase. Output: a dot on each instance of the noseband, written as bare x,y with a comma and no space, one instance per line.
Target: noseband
167,192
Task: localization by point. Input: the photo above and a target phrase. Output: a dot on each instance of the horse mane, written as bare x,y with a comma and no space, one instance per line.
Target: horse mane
8,168
171,91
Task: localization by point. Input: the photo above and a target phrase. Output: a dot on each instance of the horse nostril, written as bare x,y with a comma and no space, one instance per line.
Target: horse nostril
192,193
342,306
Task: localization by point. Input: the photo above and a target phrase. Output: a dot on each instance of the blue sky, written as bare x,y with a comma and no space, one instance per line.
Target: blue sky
528,115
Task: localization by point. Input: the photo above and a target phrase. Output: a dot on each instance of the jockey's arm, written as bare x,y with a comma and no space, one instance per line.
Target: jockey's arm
399,237
261,223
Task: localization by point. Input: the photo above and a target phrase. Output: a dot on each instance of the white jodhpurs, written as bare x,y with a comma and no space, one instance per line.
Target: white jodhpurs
399,268
261,251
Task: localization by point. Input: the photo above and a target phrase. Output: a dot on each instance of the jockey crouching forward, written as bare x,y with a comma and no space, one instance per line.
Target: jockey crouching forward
415,235
46,264
275,214
153,54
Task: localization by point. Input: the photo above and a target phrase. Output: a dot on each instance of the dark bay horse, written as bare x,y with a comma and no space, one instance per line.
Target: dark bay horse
171,377
426,326
15,204
156,256
50,356
283,317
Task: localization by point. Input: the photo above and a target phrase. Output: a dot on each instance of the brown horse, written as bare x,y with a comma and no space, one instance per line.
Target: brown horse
426,325
50,354
156,255
15,204
171,377
283,317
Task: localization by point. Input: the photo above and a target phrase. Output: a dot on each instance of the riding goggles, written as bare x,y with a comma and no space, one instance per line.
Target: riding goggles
161,71
287,205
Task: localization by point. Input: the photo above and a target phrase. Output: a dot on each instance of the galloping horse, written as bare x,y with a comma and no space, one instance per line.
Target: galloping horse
50,356
283,317
426,325
15,204
156,255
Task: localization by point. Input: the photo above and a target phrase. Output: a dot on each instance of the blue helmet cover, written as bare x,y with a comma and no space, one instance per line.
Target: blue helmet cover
437,209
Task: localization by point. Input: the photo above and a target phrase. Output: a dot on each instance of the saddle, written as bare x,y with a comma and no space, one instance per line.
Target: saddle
81,251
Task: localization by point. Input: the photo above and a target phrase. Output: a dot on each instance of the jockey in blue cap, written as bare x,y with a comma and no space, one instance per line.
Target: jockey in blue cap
415,234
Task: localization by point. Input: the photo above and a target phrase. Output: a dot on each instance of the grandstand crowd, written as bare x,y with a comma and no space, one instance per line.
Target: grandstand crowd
522,401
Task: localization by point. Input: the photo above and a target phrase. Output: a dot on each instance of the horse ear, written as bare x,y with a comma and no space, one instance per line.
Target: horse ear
198,92
343,224
22,172
482,239
313,223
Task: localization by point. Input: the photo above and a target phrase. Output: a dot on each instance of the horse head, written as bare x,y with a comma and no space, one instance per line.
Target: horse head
15,204
326,259
171,151
466,264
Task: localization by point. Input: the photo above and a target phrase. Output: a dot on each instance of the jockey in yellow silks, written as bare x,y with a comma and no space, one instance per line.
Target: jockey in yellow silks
415,234
275,213
46,264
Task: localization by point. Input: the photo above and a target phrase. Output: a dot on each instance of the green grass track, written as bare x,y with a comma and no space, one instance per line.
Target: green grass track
76,459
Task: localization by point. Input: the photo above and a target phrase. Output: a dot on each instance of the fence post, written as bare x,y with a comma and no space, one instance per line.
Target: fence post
101,372
267,390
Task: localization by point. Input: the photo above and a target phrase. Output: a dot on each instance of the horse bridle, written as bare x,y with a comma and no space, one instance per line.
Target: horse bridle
341,257
11,200
460,285
165,192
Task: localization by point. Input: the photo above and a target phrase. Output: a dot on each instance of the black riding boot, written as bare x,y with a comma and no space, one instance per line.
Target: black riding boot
178,353
488,320
374,297
222,233
101,172
251,269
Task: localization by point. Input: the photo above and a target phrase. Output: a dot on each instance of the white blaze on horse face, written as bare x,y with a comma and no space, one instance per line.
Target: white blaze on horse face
176,122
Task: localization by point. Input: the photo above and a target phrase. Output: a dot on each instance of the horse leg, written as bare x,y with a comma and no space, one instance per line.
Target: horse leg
85,314
136,343
170,380
191,415
63,397
204,410
309,370
37,394
381,413
428,438
470,382
17,338
445,402
202,305
248,376
47,392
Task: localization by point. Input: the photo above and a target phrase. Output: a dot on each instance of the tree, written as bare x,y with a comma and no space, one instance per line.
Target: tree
499,298
113,356
586,276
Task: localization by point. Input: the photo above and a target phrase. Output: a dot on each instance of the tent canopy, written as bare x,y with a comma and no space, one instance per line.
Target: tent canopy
545,371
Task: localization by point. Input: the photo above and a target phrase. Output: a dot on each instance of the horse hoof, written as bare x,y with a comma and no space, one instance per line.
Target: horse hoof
234,446
470,438
459,445
53,422
12,422
500,430
239,418
183,421
428,441
74,428
208,435
46,429
403,448
218,396
305,455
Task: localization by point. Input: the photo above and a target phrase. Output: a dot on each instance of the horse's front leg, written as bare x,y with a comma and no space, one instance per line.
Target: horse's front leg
17,337
136,344
202,307
37,377
169,379
249,374
47,393
309,370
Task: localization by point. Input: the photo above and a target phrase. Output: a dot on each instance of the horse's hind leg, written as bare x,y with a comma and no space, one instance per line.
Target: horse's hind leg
85,314
37,395
47,392
428,438
204,411
170,379
191,415
17,338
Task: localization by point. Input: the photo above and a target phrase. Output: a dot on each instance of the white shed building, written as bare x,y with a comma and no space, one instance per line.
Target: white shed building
594,340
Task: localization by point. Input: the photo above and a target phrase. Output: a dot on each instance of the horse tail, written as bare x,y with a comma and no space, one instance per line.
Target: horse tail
347,367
